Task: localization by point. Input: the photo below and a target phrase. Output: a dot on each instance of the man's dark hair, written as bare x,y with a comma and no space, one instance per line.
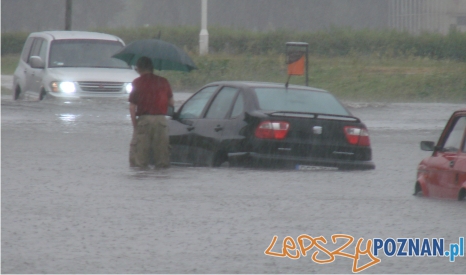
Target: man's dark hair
144,64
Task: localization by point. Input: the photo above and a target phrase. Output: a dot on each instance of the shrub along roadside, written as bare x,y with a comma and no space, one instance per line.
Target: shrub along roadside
351,78
354,65
12,43
361,78
331,42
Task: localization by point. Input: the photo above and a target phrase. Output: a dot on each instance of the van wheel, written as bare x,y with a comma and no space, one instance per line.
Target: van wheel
17,93
42,94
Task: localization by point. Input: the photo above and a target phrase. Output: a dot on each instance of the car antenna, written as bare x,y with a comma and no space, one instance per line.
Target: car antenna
287,81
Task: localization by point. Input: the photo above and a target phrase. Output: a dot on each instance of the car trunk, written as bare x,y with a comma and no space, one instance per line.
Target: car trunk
313,136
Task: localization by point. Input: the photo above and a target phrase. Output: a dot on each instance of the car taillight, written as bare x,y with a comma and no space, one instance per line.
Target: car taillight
272,130
357,136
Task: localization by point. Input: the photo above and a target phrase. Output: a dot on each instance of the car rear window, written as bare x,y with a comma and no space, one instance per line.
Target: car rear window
296,100
85,53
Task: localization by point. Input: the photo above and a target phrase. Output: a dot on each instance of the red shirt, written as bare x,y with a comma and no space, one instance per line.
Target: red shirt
150,94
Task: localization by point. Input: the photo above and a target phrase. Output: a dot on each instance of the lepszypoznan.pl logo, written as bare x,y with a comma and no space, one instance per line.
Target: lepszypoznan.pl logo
398,247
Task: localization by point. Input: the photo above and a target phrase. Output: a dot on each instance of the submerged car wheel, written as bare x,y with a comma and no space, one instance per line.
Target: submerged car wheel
17,93
462,194
219,158
42,94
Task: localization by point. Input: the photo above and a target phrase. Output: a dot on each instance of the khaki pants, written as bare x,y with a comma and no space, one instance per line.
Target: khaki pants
150,137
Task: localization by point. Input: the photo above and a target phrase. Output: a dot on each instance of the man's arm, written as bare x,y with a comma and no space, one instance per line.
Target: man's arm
171,101
132,112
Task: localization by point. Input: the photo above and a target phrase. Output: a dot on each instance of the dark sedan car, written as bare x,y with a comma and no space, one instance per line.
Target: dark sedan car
247,123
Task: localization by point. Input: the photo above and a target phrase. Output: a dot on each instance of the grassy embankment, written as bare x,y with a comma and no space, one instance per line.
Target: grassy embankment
9,63
355,78
354,65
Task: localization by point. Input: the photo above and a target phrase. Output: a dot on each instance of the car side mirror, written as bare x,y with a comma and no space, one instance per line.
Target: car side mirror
36,62
427,146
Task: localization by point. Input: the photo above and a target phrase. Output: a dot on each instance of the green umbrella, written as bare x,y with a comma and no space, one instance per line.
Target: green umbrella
165,56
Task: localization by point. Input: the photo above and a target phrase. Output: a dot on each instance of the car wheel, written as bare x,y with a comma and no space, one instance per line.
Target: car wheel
462,194
17,93
417,189
218,159
42,94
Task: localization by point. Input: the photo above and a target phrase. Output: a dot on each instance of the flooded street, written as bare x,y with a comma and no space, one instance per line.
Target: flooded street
71,204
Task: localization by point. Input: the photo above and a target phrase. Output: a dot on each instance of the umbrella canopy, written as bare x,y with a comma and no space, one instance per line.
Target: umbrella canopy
164,56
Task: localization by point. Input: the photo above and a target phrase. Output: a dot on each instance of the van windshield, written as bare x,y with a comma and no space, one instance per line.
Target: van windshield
296,100
85,53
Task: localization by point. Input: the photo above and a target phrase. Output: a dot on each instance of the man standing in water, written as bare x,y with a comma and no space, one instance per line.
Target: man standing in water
149,102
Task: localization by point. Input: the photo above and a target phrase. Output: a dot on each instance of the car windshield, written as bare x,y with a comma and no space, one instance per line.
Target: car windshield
296,100
85,53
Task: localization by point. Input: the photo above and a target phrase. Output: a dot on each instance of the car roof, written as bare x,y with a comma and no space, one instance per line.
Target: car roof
254,84
60,35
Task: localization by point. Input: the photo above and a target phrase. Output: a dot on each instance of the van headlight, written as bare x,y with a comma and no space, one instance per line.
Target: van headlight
66,87
129,87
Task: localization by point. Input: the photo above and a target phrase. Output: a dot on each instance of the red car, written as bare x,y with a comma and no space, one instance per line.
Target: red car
443,174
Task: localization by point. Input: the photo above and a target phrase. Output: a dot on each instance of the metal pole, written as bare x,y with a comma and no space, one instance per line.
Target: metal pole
390,13
307,65
204,35
420,18
68,13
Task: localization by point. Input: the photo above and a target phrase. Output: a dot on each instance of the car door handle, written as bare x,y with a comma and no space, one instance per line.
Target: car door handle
218,128
190,128
452,163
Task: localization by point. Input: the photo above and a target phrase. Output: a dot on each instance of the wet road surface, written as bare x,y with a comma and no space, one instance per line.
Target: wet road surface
70,204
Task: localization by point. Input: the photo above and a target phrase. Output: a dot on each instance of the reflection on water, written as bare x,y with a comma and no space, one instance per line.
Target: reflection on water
68,118
140,174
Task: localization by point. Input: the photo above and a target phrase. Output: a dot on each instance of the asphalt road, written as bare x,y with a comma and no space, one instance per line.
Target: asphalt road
71,204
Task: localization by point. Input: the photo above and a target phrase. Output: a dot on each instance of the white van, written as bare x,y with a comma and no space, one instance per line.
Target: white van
72,64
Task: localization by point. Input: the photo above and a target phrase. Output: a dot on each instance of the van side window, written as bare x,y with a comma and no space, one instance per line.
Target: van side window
27,49
43,50
36,48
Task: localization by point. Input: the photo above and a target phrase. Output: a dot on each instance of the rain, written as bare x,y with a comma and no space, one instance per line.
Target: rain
71,204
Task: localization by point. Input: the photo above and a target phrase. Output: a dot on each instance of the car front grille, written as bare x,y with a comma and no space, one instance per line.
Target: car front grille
96,86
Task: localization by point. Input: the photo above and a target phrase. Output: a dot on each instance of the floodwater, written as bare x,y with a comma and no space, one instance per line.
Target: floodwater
71,204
